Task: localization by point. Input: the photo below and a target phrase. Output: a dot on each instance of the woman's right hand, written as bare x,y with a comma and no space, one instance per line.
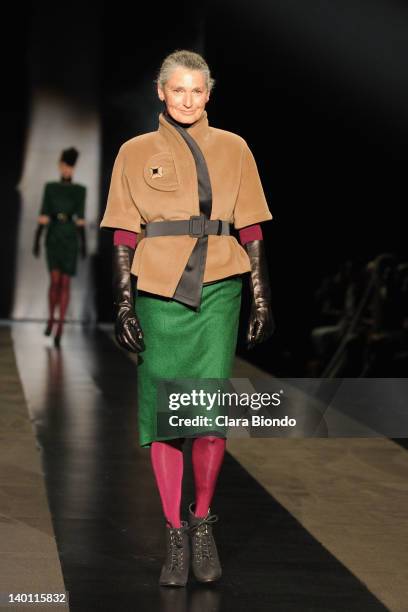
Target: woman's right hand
36,250
128,332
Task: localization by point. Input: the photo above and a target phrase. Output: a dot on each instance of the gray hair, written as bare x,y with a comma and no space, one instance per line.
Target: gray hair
185,59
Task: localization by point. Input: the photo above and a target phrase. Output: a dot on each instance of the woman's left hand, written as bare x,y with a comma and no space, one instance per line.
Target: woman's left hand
261,324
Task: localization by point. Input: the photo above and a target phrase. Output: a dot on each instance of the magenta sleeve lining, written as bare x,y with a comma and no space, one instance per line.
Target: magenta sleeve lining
125,237
249,233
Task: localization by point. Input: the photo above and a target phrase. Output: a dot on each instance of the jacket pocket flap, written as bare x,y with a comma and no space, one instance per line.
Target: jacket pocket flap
160,172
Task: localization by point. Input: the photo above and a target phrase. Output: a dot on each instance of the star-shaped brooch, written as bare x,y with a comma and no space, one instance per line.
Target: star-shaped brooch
156,172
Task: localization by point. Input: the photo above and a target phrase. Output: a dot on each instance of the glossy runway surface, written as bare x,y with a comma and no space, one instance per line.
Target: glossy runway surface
106,510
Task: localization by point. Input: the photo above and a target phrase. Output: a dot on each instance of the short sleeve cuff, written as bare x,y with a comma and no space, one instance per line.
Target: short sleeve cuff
117,222
251,220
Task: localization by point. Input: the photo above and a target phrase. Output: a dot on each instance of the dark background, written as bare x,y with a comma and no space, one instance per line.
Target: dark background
318,89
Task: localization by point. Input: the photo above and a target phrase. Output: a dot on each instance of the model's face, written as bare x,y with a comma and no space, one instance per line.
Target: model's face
65,171
185,94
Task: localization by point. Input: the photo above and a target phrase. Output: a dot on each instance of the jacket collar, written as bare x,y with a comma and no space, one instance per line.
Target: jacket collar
198,130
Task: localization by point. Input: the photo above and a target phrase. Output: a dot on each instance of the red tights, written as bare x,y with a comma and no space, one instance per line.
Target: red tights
58,294
167,463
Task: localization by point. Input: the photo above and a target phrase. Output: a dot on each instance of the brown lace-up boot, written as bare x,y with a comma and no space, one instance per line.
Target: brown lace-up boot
175,569
204,556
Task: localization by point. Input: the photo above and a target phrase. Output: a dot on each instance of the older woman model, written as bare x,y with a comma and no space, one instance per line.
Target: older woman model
185,184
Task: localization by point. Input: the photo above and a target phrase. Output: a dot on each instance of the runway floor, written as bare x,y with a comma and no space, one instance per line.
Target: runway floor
106,512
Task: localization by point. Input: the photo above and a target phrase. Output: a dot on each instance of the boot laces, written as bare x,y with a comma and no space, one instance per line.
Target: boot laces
202,536
176,547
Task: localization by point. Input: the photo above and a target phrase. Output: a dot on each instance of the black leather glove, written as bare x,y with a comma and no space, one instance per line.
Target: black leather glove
261,322
128,332
82,240
37,240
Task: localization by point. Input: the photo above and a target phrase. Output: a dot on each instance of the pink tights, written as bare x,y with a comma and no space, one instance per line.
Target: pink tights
167,463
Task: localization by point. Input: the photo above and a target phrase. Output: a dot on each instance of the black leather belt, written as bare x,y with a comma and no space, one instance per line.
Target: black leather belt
61,217
196,226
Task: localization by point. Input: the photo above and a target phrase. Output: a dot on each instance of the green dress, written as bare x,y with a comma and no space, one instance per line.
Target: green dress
68,201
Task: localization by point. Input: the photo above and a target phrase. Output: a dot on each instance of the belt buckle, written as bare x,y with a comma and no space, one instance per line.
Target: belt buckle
61,216
197,226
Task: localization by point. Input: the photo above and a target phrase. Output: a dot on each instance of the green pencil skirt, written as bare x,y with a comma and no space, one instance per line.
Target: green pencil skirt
61,247
184,343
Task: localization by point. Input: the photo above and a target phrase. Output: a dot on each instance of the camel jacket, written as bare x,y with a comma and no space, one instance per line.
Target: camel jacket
154,178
